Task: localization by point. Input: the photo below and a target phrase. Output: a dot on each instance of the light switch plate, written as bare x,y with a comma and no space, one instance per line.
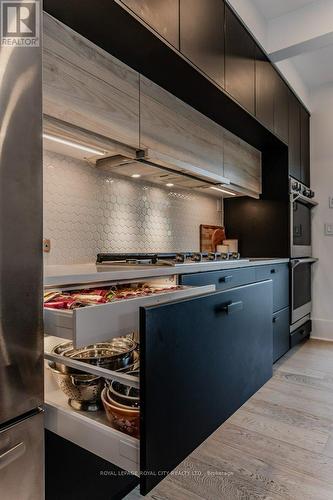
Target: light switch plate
330,201
328,229
46,245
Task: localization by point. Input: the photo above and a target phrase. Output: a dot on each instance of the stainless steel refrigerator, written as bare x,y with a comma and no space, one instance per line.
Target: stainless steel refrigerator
21,336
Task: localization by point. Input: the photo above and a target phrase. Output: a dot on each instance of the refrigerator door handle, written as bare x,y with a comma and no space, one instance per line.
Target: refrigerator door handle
12,454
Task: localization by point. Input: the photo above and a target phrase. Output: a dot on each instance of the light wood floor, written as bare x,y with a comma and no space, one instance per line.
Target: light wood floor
279,445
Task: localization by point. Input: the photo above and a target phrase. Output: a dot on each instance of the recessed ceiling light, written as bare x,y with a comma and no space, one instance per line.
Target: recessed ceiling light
169,184
75,145
136,176
222,190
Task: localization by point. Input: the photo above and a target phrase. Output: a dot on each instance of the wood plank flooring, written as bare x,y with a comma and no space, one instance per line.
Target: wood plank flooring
279,445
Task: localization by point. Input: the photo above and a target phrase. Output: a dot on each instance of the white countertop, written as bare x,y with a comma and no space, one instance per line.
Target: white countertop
89,273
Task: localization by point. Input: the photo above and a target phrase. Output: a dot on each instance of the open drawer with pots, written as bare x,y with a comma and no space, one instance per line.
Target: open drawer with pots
187,343
83,316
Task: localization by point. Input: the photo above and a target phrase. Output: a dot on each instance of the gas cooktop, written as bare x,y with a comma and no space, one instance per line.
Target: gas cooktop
168,259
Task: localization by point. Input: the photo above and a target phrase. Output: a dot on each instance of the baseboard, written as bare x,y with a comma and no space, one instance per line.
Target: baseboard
322,329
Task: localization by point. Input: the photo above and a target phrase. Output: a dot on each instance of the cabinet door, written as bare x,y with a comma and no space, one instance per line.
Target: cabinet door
242,163
239,62
85,86
305,147
280,333
264,89
201,359
294,137
281,100
161,15
170,126
280,275
202,35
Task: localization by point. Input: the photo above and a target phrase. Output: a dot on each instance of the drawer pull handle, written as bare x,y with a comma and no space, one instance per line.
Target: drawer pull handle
273,271
232,307
11,455
275,319
226,279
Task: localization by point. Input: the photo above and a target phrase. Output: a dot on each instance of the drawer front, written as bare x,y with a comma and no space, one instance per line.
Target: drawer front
201,359
279,274
223,280
303,332
280,333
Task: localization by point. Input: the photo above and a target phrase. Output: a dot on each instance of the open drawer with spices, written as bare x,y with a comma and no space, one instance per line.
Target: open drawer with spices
201,356
85,321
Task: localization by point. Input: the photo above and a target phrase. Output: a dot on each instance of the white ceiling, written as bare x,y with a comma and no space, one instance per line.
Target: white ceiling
298,36
275,8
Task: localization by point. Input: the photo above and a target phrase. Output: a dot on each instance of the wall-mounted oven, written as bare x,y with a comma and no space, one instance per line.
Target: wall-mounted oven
301,204
301,288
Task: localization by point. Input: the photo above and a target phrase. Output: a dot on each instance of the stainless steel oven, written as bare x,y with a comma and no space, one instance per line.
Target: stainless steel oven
301,288
301,204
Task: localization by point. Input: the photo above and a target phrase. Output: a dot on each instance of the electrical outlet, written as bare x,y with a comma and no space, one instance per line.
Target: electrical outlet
328,228
46,245
330,201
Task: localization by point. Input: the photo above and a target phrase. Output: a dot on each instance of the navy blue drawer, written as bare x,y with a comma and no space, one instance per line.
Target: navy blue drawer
279,274
280,333
223,280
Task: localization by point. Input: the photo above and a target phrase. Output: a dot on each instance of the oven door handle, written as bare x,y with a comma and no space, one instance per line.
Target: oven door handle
296,262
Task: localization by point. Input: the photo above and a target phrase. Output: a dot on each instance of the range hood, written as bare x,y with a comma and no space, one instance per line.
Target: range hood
147,164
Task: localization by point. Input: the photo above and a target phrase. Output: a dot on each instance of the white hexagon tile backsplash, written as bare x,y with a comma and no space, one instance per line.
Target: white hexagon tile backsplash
87,211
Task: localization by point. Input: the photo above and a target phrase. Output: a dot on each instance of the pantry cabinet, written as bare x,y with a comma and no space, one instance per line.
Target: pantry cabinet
239,62
202,36
85,86
161,15
173,128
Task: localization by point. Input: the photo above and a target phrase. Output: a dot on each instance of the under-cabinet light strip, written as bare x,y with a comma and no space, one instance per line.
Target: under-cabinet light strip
75,145
222,190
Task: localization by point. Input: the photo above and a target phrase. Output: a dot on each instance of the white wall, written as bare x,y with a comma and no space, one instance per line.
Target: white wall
322,183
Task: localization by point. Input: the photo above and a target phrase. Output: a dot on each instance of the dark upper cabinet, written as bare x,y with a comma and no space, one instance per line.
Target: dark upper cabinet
202,36
305,146
265,81
161,15
239,62
294,137
281,98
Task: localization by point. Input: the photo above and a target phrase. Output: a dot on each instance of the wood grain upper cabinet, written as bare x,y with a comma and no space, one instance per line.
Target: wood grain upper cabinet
85,86
239,62
242,163
294,137
171,127
305,147
202,36
281,101
265,81
161,15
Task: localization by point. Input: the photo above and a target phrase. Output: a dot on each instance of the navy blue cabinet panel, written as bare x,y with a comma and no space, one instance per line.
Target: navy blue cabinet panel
281,105
294,137
223,280
280,333
201,359
202,36
305,147
280,275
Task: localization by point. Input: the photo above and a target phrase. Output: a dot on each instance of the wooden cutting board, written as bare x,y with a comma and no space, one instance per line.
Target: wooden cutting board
207,233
